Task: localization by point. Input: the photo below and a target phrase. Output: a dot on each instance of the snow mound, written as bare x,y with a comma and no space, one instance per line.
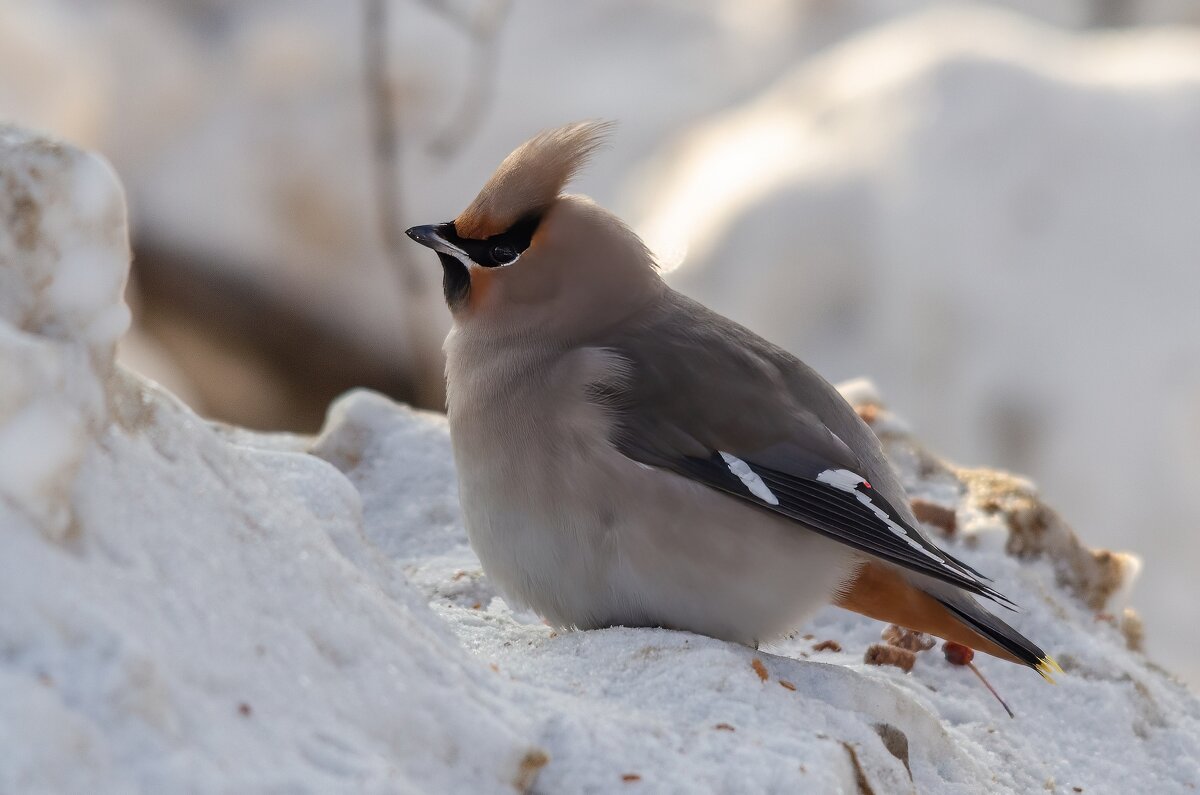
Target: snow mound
201,608
181,611
65,258
682,711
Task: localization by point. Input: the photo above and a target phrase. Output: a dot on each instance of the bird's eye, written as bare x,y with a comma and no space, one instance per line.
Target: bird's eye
502,255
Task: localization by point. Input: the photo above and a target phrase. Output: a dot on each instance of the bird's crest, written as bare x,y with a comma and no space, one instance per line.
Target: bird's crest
531,178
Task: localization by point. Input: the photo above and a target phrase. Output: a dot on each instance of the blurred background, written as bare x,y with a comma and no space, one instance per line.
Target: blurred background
990,209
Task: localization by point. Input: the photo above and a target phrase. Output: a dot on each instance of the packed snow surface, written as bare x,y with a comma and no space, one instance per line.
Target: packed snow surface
192,607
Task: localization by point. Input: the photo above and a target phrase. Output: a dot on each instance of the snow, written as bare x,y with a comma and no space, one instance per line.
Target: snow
206,628
198,607
65,260
648,702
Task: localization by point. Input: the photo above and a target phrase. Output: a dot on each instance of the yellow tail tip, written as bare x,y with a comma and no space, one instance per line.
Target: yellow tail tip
1047,666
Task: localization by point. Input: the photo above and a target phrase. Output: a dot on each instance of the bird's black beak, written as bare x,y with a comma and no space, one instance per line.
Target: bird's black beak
425,235
440,237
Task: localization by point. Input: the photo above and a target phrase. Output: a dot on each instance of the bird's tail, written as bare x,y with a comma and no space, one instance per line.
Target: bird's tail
983,623
927,605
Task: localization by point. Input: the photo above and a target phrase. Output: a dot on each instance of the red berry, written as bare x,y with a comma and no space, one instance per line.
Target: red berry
957,654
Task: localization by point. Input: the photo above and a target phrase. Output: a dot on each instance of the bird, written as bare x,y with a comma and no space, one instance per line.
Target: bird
628,457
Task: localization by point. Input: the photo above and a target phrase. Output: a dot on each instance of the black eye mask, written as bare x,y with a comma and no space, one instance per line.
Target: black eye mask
497,250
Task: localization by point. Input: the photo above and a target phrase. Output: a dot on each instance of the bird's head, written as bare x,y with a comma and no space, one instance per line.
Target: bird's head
525,257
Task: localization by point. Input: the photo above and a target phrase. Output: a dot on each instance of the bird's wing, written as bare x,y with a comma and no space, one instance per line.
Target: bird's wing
697,395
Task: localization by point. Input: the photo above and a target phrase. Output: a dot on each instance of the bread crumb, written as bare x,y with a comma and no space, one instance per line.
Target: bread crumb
759,669
883,654
828,645
910,640
533,761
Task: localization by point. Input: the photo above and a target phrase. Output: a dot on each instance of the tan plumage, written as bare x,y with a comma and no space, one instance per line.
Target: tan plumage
531,177
627,456
880,592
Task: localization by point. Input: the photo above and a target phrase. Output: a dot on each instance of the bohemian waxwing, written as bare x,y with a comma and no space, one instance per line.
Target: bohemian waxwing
628,457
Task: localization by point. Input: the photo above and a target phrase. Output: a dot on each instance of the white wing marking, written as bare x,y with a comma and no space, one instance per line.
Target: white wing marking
751,480
848,481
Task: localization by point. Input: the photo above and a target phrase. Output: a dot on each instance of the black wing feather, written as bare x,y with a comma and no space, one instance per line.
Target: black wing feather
832,512
778,417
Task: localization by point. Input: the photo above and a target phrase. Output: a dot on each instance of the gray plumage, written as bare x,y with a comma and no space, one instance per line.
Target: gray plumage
692,382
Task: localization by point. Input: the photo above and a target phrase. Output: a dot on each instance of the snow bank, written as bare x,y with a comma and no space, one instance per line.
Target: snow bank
65,258
996,221
679,710
197,607
182,612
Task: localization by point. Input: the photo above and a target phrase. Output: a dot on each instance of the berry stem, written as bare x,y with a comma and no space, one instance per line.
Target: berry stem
991,689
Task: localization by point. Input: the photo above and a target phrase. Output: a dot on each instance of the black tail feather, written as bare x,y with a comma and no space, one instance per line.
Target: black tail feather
1004,636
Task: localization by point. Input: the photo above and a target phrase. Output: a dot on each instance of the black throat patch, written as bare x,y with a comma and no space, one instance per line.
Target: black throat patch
456,281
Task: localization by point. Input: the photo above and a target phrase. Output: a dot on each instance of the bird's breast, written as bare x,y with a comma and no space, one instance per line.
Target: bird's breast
529,451
567,525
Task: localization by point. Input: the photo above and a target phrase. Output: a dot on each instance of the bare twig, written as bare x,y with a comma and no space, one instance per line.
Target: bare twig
958,654
482,28
991,689
385,139
421,330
